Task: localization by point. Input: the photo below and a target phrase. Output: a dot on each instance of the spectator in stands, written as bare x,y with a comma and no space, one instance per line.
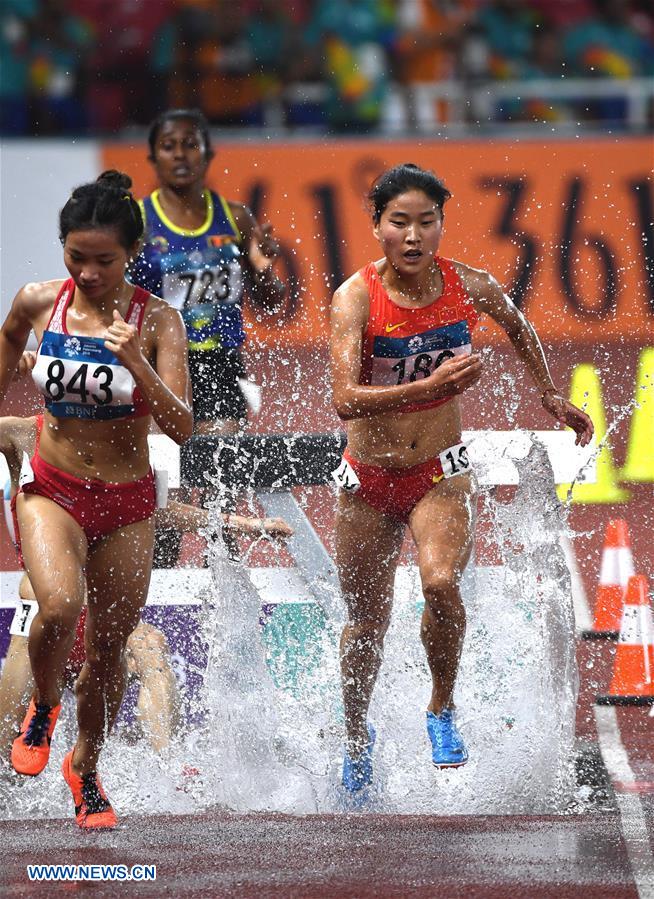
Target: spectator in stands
120,85
60,40
642,18
351,40
546,58
562,13
545,62
214,62
430,37
430,33
508,28
275,41
607,45
16,17
236,61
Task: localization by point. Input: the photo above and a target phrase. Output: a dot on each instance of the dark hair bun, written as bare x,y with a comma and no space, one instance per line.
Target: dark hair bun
102,204
112,178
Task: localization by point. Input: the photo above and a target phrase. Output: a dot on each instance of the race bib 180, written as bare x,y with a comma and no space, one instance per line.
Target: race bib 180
345,477
402,360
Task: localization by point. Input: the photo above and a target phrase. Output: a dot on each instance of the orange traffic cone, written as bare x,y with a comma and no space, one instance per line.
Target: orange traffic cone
633,675
617,568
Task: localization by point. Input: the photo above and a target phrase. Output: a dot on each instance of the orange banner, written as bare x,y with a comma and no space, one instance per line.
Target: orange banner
565,226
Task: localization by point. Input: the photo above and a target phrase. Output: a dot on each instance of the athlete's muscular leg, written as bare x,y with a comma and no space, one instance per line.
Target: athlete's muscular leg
54,551
118,575
16,686
367,548
158,703
441,525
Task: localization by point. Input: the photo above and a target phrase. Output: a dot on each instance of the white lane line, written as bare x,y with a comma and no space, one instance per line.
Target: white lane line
633,822
583,617
632,815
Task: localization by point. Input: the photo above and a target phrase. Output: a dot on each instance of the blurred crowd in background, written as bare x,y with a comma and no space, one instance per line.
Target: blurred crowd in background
347,66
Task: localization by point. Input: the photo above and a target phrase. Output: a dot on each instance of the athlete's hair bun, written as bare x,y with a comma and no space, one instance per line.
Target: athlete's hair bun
104,203
113,178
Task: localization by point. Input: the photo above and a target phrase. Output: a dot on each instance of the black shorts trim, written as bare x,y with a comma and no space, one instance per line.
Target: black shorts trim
214,380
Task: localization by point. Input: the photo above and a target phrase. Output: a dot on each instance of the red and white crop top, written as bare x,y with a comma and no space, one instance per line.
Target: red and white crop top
78,376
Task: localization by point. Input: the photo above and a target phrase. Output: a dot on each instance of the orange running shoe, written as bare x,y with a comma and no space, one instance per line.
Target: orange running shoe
92,808
31,748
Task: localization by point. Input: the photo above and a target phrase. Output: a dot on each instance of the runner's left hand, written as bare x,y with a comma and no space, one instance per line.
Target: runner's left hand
569,415
123,341
263,249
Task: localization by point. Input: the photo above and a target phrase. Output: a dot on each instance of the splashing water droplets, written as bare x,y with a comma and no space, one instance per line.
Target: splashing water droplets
277,731
267,729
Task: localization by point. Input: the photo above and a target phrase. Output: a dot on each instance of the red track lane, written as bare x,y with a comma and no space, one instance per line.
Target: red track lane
328,857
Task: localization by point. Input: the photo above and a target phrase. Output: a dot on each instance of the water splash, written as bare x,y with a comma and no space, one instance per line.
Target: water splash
280,748
273,723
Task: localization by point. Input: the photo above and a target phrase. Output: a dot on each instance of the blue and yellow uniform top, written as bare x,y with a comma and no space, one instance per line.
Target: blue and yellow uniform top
198,272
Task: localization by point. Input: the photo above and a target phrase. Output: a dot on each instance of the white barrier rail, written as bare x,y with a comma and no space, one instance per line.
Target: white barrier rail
493,454
484,99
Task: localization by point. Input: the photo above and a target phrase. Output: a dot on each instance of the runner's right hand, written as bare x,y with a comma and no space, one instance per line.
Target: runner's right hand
277,528
25,364
453,376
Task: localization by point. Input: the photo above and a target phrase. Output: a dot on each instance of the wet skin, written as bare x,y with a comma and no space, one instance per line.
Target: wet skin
181,162
368,542
58,560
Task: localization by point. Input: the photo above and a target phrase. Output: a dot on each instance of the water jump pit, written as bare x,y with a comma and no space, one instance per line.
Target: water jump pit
255,655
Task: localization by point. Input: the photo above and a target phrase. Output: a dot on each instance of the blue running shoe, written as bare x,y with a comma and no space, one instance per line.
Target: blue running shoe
357,773
448,748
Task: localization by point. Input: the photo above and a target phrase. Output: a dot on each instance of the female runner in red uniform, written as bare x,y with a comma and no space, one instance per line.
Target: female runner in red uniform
401,353
111,358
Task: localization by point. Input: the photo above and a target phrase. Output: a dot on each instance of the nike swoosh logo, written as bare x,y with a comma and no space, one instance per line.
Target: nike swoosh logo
391,328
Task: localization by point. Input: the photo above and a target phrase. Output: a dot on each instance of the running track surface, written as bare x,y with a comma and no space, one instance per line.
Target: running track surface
327,857
370,855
